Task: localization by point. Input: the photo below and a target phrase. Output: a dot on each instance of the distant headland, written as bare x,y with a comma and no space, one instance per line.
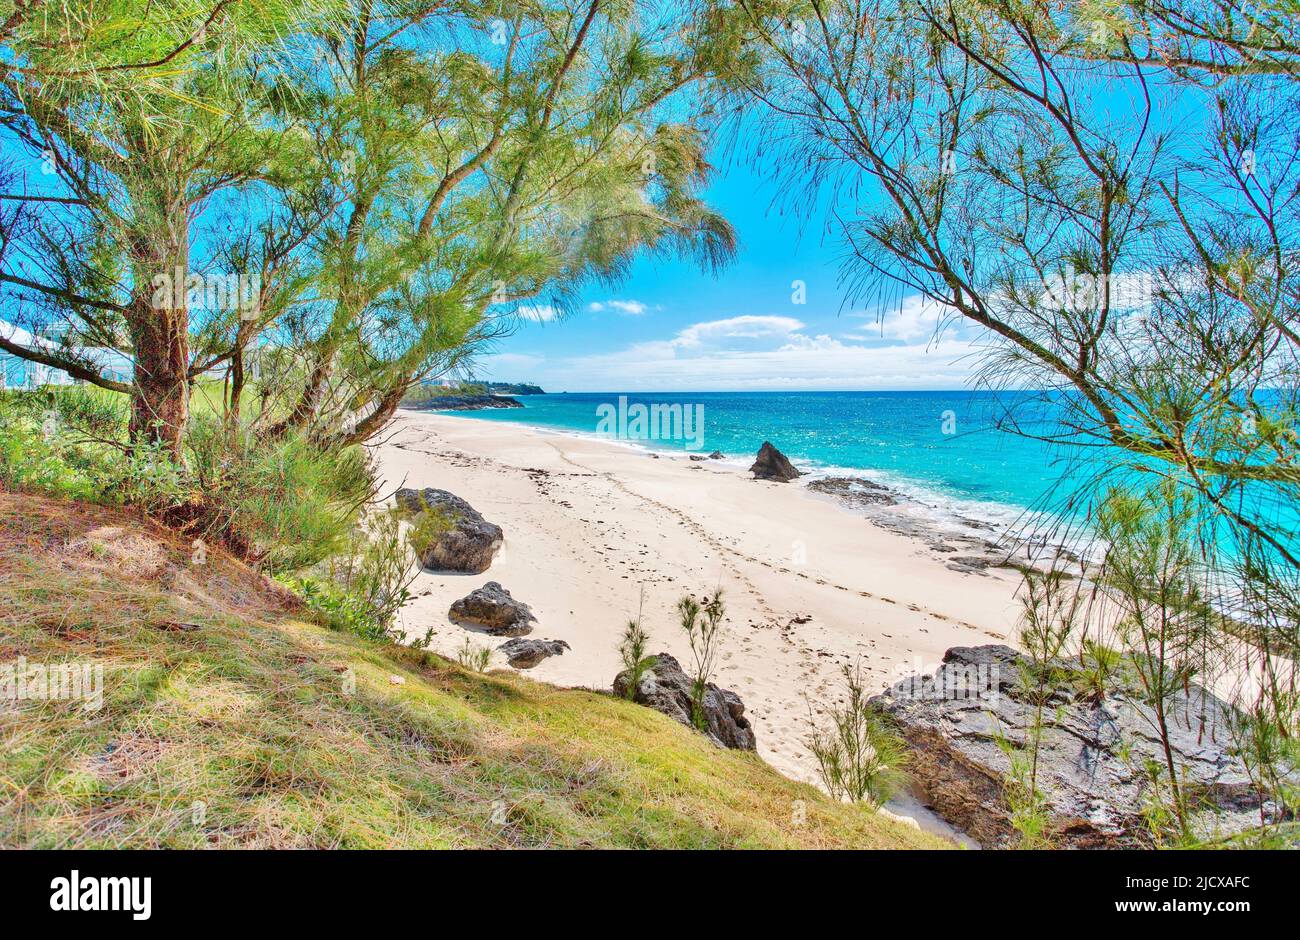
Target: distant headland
468,396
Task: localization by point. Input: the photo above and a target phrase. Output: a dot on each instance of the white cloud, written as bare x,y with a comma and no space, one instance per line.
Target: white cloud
631,307
755,352
761,352
811,364
798,341
537,314
915,320
743,327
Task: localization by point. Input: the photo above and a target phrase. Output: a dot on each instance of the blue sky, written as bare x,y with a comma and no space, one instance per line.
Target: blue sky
672,327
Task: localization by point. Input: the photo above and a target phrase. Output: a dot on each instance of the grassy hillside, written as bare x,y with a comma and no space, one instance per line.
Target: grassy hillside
263,729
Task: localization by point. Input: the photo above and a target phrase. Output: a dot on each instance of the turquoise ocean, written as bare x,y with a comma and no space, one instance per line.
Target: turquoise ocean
955,457
948,450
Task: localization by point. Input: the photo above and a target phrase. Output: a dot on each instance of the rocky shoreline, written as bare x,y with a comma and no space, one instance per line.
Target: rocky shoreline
968,545
620,523
963,722
465,403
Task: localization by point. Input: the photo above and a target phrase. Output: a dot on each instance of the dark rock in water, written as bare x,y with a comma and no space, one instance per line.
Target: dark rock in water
525,654
1090,763
698,457
465,403
855,491
717,455
460,539
771,464
666,688
492,608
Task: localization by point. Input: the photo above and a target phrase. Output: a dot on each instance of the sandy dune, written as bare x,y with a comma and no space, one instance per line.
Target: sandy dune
592,524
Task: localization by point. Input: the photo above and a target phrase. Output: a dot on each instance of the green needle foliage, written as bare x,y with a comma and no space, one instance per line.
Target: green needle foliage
702,624
392,183
1131,255
632,650
485,166
151,115
860,757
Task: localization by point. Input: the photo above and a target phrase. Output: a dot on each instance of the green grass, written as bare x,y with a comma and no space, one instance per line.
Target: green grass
264,729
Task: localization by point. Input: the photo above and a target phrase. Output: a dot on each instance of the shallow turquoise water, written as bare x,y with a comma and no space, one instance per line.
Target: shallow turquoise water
928,444
950,452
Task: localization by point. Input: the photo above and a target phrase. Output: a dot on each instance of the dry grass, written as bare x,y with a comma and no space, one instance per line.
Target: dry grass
263,729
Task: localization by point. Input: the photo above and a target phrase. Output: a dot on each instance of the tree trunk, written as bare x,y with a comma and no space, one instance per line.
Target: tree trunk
159,322
373,423
313,394
160,404
237,380
237,375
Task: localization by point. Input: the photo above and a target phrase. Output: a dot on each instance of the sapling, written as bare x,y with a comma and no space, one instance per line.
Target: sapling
632,650
860,756
703,626
1154,576
472,656
1049,619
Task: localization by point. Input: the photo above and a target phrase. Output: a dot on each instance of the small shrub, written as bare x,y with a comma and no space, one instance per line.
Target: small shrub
860,756
47,447
1265,739
474,657
632,651
1100,667
290,503
341,609
377,568
703,626
362,589
1165,808
429,525
1028,807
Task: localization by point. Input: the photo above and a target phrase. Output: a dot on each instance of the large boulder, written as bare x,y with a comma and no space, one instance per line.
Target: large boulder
525,654
492,608
455,536
1090,762
666,688
771,464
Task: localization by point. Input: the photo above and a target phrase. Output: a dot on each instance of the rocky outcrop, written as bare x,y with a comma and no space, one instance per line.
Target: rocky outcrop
771,464
455,535
666,688
854,491
1091,759
717,455
466,403
492,608
525,654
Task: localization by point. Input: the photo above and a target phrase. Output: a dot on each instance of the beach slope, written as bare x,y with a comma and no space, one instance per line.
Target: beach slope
596,531
226,718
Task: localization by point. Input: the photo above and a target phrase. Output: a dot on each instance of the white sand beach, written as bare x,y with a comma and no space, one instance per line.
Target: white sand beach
589,525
